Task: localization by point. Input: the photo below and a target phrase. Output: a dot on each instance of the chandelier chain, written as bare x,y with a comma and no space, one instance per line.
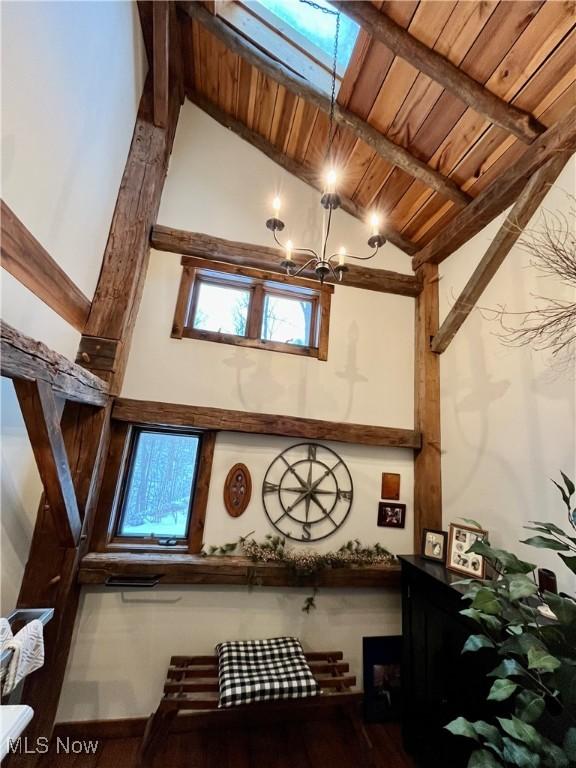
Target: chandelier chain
330,12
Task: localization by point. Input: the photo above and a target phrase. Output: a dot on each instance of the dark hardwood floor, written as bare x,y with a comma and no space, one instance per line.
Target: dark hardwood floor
319,744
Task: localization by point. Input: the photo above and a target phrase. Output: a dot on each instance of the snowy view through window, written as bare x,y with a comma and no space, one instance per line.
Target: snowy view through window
159,486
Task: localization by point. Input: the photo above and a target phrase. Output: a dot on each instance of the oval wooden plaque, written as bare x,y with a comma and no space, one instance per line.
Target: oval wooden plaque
237,490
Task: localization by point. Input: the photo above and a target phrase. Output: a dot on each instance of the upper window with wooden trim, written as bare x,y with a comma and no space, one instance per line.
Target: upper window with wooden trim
249,307
298,34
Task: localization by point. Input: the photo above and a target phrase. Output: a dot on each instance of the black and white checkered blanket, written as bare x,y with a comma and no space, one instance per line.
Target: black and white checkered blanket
263,670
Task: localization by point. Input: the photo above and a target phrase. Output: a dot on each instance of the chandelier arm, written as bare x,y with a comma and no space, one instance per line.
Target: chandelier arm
294,250
357,258
305,266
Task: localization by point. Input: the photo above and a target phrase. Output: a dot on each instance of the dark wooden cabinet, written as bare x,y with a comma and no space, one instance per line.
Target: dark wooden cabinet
439,683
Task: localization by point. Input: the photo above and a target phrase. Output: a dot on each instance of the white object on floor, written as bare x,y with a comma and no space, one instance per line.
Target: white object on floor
13,719
27,647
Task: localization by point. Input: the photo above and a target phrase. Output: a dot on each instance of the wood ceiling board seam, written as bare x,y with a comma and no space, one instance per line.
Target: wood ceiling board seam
501,142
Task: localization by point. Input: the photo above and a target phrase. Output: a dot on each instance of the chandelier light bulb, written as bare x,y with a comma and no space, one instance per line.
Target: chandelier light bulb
276,205
341,256
375,224
289,249
331,179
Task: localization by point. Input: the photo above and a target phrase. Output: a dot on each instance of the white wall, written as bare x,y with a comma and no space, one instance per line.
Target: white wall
508,414
220,185
72,74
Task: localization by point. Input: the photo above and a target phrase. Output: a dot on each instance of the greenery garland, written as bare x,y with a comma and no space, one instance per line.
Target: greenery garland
303,563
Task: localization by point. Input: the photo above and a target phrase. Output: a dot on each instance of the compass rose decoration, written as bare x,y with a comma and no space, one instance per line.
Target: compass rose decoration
307,492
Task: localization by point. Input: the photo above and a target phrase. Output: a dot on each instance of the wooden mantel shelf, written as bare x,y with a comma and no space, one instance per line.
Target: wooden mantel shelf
173,568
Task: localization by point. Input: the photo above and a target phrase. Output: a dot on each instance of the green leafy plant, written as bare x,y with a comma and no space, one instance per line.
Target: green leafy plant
536,675
303,564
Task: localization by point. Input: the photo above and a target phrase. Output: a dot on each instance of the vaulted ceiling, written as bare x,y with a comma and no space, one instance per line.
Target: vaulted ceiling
522,51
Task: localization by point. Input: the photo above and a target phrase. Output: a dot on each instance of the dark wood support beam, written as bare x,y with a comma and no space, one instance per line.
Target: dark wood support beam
31,264
121,282
392,153
161,62
560,139
174,568
384,29
301,171
224,420
525,207
24,358
217,249
42,420
427,461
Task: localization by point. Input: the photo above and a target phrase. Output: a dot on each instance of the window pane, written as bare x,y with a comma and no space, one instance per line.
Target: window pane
286,319
160,483
221,308
318,27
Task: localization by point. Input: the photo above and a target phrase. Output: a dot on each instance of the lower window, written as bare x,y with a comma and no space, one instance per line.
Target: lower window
155,490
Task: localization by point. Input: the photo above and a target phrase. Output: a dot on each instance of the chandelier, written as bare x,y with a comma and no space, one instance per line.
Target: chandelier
324,263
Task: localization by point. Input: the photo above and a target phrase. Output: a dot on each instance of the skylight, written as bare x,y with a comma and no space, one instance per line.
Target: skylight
318,27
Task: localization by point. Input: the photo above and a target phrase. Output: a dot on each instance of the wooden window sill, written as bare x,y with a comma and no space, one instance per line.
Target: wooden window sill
244,341
173,568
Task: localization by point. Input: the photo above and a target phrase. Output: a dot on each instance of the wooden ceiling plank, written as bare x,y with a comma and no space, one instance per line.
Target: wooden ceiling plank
228,74
195,244
521,124
526,206
304,173
558,140
274,69
453,157
488,159
30,263
161,68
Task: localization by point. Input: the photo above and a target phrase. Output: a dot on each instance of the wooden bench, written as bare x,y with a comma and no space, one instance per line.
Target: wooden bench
192,685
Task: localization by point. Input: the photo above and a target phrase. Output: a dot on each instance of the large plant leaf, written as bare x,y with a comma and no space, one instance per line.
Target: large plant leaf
488,732
508,668
543,542
565,496
521,731
545,528
570,744
529,706
520,586
486,601
520,754
568,483
475,642
482,618
470,521
502,690
541,660
506,561
570,561
553,756
481,758
564,609
462,727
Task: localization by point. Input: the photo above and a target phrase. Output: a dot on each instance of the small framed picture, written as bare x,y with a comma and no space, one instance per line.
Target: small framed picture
391,514
434,545
459,559
390,486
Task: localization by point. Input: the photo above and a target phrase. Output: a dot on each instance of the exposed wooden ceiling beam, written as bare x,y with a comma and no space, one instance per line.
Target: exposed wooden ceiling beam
30,263
24,358
525,207
161,66
301,171
218,249
559,139
173,414
42,419
384,29
274,69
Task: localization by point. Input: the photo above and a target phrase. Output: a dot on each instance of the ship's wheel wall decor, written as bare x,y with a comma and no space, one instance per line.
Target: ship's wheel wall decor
307,492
